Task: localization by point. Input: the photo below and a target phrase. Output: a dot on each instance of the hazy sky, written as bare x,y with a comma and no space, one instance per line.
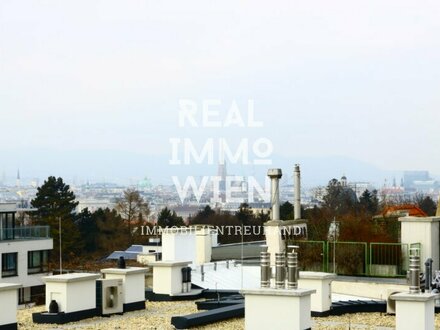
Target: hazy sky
358,79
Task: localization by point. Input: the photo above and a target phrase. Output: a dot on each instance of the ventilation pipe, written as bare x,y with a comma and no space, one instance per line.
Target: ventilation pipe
184,279
188,279
414,271
275,175
265,269
292,268
280,270
121,263
428,275
297,184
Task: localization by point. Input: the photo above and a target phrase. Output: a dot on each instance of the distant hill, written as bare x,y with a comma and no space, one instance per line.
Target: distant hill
128,167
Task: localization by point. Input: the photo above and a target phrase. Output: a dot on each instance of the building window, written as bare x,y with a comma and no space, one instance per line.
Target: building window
7,225
37,262
9,264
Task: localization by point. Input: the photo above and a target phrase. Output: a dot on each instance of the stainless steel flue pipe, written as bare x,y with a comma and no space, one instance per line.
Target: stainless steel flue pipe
265,269
414,270
292,270
280,270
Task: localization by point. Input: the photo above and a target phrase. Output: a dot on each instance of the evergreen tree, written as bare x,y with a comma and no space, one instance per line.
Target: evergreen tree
203,216
244,214
88,229
427,204
286,211
369,201
55,204
339,199
112,232
167,218
263,217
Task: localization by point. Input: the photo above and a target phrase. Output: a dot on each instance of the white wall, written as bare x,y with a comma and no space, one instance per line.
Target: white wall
72,297
424,230
203,245
133,282
179,245
8,303
167,280
367,289
277,312
22,247
184,244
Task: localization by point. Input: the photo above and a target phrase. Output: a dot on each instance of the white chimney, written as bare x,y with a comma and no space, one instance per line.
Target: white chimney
275,174
297,202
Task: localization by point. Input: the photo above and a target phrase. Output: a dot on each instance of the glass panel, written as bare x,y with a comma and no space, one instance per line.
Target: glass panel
37,262
9,264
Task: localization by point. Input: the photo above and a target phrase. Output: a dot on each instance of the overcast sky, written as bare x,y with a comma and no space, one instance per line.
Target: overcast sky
358,79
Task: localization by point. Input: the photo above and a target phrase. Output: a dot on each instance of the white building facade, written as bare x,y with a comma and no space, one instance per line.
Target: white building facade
24,254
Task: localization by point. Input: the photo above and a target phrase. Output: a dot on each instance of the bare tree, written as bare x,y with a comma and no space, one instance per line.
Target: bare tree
132,207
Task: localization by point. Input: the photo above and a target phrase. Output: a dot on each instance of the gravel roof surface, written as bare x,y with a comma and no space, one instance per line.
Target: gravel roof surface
158,316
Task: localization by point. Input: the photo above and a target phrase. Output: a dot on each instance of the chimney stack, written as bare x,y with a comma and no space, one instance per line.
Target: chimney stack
275,175
297,202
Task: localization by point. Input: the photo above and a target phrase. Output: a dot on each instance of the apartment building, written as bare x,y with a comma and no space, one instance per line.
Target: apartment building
24,253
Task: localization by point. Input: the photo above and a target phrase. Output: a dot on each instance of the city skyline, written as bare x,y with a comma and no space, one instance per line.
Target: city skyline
90,88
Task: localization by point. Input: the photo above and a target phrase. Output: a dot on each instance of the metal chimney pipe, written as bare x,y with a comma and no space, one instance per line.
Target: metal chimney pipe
280,270
292,270
414,271
275,174
297,184
265,269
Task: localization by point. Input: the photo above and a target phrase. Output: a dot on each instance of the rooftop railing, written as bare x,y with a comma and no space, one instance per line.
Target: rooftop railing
25,233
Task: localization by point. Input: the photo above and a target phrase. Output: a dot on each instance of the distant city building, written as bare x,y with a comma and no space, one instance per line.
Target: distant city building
222,173
18,182
94,204
419,181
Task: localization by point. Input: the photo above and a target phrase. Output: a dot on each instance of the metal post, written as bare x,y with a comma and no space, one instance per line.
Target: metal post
334,245
414,270
280,270
61,251
202,272
297,201
292,270
265,269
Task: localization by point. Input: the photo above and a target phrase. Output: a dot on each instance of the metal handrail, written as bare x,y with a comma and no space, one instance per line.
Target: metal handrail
24,232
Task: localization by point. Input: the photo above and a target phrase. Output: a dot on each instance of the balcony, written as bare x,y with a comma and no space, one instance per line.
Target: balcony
25,233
